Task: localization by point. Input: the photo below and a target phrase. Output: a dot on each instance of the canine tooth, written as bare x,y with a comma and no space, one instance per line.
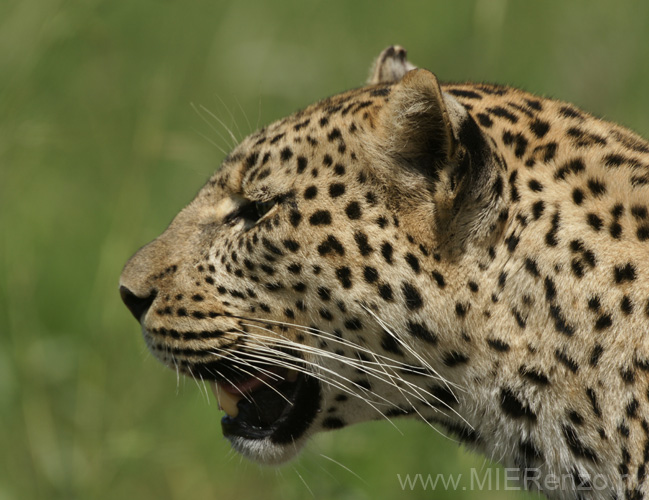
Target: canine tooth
291,375
227,401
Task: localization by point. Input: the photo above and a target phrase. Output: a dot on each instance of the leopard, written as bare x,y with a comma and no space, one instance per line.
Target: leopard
469,255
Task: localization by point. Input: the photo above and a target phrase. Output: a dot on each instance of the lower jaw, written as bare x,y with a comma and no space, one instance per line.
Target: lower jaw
281,440
264,451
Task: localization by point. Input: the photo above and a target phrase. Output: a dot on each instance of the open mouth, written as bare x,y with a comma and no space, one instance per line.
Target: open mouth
279,404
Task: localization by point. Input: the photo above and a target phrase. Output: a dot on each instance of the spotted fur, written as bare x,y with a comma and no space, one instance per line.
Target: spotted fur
470,255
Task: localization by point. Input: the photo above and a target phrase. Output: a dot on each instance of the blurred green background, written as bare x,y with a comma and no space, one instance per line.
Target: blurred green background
104,136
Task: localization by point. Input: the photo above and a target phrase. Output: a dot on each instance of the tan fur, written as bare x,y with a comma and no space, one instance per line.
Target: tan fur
490,240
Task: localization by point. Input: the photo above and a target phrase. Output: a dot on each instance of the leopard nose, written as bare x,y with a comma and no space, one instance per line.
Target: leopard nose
137,305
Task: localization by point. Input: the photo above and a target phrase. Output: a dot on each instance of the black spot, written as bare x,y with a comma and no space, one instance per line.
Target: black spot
390,343
570,112
550,289
643,232
332,423
461,309
512,242
624,273
251,160
539,128
512,186
594,221
363,245
324,293
484,120
469,94
439,279
285,154
560,323
413,262
574,166
497,187
320,218
632,408
412,296
578,448
538,209
420,331
386,251
336,189
382,92
531,267
575,417
594,303
596,354
443,396
596,187
277,138
295,217
353,324
593,402
639,212
291,245
271,247
325,314
473,286
566,360
385,291
534,375
626,305
519,319
535,185
344,275
551,235
498,345
334,134
503,113
294,268
331,244
310,192
454,358
273,287
513,407
370,274
627,375
577,196
353,210
603,322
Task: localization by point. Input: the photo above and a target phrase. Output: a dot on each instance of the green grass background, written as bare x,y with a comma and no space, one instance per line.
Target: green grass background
100,146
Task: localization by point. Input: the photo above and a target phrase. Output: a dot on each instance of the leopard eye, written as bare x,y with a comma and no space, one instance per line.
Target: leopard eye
251,211
264,207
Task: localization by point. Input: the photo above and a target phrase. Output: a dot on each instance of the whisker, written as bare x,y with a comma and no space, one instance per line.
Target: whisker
235,141
198,111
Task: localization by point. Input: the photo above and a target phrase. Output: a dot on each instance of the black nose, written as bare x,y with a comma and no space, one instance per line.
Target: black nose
137,305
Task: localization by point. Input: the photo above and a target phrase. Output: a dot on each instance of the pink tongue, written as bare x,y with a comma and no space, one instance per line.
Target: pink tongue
253,383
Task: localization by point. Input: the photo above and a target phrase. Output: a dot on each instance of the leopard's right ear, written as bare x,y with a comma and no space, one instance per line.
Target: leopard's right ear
391,66
416,124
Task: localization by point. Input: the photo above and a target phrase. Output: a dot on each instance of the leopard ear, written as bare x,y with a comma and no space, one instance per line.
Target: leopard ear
417,123
391,65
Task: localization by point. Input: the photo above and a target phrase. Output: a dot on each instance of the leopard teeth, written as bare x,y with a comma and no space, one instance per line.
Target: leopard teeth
227,401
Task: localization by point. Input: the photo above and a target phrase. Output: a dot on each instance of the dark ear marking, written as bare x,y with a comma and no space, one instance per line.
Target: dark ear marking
391,65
